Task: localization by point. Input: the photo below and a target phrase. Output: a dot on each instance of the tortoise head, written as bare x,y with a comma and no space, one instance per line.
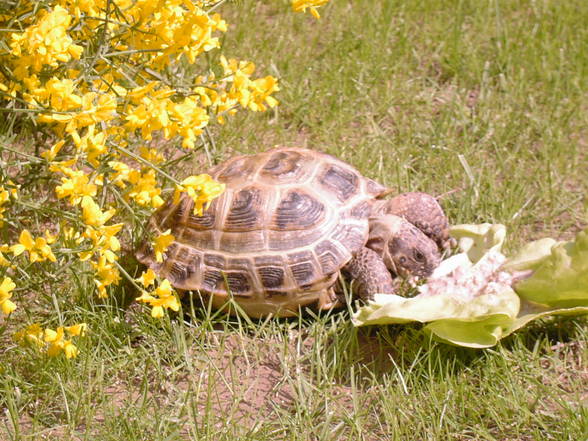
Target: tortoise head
405,249
421,210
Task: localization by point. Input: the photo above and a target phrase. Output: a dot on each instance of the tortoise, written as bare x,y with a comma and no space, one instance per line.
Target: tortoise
289,222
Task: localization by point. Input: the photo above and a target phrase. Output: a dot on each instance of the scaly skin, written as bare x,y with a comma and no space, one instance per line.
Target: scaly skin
420,209
369,274
404,249
406,234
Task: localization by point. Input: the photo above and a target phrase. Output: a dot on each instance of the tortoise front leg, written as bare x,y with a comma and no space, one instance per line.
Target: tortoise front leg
369,274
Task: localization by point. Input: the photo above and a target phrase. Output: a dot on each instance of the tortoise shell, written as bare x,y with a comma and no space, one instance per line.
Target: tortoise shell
288,221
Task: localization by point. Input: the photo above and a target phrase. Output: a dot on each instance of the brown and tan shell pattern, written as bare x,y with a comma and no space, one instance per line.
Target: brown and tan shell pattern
288,221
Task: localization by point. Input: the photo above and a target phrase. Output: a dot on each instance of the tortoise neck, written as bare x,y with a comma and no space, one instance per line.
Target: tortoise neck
379,207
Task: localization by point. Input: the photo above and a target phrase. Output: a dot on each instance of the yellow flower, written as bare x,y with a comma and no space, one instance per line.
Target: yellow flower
94,144
58,94
136,94
4,249
189,118
6,286
57,343
3,200
50,238
152,114
69,234
165,289
92,215
121,173
202,189
5,195
46,42
77,330
106,274
164,298
161,243
147,278
151,155
32,334
75,186
145,190
104,243
38,249
55,338
312,5
50,154
52,341
261,90
70,350
251,94
26,243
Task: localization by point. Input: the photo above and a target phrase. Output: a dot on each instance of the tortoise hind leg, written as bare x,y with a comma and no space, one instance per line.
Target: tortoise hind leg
328,299
369,274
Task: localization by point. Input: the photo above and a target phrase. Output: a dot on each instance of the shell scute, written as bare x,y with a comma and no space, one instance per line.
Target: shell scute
290,240
272,277
329,256
184,266
241,243
178,272
298,210
215,260
212,280
238,283
288,166
245,211
204,222
341,182
240,166
352,236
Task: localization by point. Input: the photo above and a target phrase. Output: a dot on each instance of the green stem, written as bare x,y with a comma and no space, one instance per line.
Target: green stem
24,155
144,161
215,6
129,52
128,277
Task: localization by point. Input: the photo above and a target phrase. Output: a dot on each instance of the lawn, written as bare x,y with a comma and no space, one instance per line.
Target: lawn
482,103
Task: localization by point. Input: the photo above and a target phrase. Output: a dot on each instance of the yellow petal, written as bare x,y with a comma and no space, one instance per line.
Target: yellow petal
54,349
147,278
70,349
50,335
17,249
7,306
26,240
157,312
6,286
75,330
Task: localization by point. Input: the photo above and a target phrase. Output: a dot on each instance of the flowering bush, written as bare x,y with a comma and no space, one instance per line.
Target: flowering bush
106,81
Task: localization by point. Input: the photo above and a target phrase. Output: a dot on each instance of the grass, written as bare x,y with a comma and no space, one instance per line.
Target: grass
483,102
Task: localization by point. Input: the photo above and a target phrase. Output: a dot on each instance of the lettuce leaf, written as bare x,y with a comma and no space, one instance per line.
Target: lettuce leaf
477,297
560,273
477,240
558,283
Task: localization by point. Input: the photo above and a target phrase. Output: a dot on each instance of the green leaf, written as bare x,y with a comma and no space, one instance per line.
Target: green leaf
477,240
481,333
477,323
531,255
532,311
560,277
